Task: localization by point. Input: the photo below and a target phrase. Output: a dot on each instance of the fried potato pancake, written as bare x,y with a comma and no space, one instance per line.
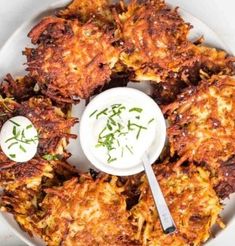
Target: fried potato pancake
21,183
71,59
85,211
192,201
88,213
209,62
23,188
202,125
156,48
151,34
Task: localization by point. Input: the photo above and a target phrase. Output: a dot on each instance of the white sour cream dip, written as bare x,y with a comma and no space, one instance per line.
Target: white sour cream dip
121,132
19,139
118,126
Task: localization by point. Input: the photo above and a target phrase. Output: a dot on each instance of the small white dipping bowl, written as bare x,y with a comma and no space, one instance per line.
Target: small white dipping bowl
121,96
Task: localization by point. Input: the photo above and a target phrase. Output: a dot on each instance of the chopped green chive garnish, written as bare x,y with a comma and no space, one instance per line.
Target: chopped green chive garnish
100,135
140,128
15,123
29,126
12,155
109,127
14,130
9,139
22,148
117,128
129,149
118,143
102,112
93,113
50,157
12,145
139,110
151,120
112,121
22,135
117,105
129,126
110,159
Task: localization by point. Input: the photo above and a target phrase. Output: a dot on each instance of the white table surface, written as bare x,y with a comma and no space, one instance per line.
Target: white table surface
218,15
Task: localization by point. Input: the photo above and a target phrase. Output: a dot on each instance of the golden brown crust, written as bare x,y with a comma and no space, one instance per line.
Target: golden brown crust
157,49
71,60
13,174
99,11
94,212
52,124
192,201
225,180
87,213
24,185
7,108
201,121
202,127
21,88
152,33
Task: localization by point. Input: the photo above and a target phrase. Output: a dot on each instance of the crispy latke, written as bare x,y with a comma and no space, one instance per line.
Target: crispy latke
23,188
157,49
30,174
192,201
202,125
71,59
151,34
21,183
87,212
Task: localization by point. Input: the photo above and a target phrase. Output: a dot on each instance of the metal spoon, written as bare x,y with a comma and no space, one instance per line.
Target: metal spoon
164,214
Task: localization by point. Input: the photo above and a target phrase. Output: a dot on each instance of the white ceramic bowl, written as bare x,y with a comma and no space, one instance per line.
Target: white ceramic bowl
116,96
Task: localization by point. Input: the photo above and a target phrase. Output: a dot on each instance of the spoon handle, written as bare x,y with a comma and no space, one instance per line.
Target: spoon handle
164,214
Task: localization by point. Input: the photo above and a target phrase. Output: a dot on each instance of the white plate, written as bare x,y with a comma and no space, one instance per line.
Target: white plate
11,60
